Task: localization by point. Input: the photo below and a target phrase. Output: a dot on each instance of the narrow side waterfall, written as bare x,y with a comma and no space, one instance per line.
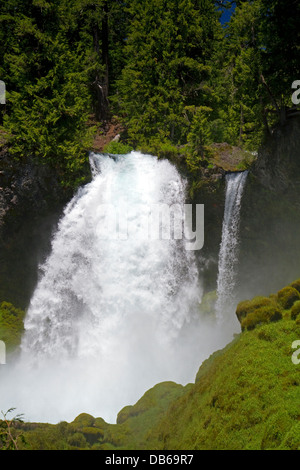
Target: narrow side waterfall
111,315
228,255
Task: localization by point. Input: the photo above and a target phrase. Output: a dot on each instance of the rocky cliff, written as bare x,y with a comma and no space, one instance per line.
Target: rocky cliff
31,201
270,219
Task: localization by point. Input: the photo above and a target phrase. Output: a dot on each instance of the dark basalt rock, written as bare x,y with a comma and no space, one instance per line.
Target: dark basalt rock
31,201
270,215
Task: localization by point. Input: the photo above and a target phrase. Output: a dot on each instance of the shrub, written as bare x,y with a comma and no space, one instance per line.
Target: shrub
276,429
287,297
77,440
246,307
265,314
291,440
117,148
83,420
124,414
91,434
295,310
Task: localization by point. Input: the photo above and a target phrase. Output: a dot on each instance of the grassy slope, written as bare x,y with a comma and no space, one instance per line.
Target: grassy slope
245,396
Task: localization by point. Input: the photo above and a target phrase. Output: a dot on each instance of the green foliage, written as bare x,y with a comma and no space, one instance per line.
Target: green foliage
167,49
10,435
47,63
288,296
77,440
236,79
280,55
291,440
11,325
246,397
259,316
199,136
83,420
117,148
246,307
295,310
252,313
296,285
176,78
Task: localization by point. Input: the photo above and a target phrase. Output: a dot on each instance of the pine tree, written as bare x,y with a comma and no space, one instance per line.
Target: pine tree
47,64
167,50
280,52
237,78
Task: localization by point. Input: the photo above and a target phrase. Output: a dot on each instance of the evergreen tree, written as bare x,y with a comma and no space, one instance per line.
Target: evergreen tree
237,78
168,48
280,52
47,64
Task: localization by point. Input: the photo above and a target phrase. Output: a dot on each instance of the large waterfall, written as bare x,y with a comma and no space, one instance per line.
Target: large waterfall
228,255
114,312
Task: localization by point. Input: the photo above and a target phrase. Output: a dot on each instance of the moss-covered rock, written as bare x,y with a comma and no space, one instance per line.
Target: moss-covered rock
276,429
246,307
77,440
251,313
92,434
291,439
296,285
295,310
83,420
288,296
245,397
11,325
157,396
259,316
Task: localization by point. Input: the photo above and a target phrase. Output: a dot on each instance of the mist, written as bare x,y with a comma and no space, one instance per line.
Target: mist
110,318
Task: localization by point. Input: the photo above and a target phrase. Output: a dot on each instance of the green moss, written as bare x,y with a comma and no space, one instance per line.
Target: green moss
291,439
246,396
259,316
135,421
124,414
295,310
296,285
11,325
232,404
288,296
92,434
259,310
276,428
83,420
246,307
77,440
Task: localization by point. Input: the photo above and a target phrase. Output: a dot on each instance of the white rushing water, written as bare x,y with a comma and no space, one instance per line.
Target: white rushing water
228,255
110,316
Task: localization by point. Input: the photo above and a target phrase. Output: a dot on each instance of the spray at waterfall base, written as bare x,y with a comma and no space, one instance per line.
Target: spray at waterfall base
112,316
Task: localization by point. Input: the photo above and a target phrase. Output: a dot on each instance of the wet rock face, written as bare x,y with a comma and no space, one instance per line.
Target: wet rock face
269,250
30,203
270,219
211,193
278,165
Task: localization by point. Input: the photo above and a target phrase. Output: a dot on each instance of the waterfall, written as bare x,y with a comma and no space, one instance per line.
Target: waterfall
113,313
228,255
